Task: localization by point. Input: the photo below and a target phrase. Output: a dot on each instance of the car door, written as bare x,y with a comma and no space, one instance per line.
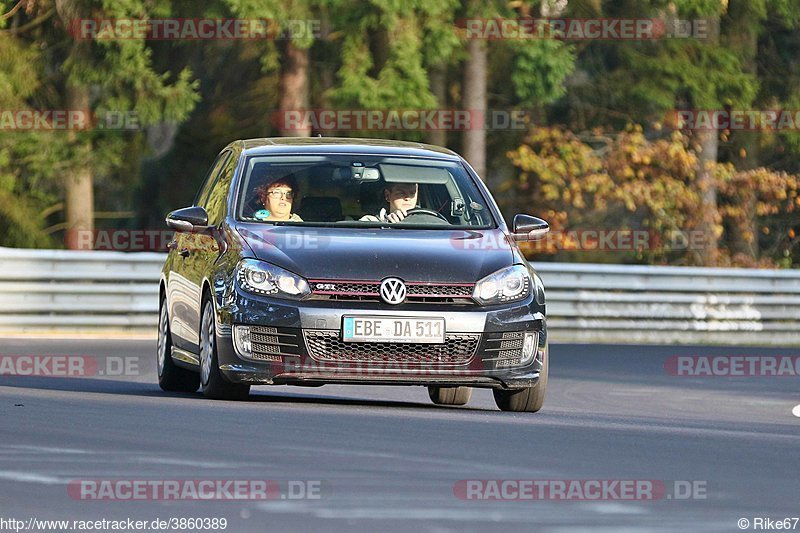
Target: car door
183,282
206,245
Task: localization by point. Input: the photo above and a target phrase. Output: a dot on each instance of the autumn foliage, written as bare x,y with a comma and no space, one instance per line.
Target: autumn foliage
629,182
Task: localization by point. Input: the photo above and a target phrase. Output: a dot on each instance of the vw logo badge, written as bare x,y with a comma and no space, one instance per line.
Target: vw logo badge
393,291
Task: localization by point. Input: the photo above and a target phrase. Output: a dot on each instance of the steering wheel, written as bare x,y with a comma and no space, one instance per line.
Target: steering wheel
420,211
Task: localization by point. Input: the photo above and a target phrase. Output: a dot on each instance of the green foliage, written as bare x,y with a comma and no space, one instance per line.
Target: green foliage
701,8
784,10
400,80
707,76
280,12
440,42
540,68
18,66
35,68
378,54
21,223
121,74
27,187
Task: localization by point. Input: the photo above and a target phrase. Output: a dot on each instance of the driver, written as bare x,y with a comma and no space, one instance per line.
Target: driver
401,197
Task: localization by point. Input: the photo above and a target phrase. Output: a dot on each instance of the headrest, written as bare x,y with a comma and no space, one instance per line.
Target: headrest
321,209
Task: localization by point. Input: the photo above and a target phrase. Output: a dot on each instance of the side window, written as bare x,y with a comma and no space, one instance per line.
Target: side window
211,177
218,196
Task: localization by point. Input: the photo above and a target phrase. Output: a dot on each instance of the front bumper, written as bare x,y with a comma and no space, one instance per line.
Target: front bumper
487,360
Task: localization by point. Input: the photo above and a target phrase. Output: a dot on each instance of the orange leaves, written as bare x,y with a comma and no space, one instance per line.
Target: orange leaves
626,180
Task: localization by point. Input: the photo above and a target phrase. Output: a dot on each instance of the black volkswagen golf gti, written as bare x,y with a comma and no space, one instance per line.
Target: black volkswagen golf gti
313,261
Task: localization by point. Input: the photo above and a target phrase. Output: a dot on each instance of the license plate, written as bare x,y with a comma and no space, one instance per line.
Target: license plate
392,329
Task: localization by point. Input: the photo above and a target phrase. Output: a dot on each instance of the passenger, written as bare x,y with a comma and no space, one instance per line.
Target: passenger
400,197
277,198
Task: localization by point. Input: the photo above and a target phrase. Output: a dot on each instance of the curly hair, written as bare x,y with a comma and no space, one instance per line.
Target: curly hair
288,181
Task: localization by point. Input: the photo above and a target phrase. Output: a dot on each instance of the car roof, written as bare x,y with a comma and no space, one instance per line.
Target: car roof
342,145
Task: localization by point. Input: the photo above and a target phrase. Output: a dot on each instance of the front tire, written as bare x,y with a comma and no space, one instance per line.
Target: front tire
214,384
450,395
529,399
171,377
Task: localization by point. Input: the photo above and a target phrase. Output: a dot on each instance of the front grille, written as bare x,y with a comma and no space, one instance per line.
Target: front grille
270,344
431,290
418,292
352,288
505,348
325,345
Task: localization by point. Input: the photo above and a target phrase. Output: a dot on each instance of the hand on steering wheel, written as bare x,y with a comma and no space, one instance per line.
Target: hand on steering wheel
423,211
397,216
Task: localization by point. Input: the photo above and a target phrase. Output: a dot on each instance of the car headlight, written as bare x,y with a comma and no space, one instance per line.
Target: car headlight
263,278
506,285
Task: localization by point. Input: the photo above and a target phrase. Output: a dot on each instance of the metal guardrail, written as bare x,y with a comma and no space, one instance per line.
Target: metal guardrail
657,304
67,291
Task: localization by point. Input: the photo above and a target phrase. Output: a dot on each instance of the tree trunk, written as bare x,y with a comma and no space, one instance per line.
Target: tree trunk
78,181
438,85
708,143
474,101
294,90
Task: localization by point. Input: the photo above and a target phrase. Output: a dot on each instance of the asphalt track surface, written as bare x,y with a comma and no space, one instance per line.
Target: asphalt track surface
386,459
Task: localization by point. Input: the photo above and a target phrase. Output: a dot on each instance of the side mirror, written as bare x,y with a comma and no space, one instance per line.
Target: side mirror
188,219
528,228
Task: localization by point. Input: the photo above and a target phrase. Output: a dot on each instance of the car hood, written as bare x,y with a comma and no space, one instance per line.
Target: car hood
454,256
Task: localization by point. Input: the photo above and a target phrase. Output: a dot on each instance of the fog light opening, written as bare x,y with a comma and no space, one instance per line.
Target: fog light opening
241,338
528,348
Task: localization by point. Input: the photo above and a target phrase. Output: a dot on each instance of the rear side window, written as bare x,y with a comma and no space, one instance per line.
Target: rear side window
211,177
217,199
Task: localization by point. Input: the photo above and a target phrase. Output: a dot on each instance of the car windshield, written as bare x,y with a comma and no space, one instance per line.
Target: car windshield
360,191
